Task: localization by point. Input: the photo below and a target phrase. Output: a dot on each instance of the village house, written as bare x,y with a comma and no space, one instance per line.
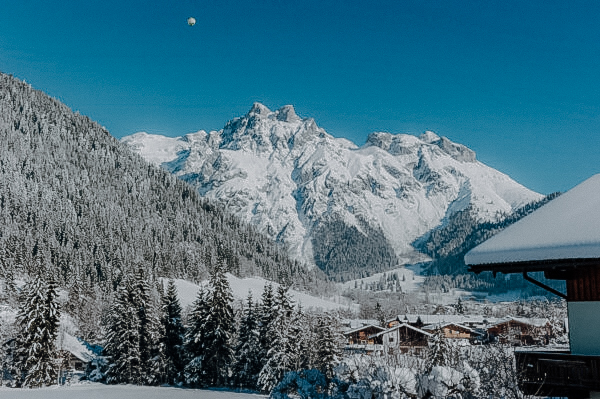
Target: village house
520,331
72,357
420,320
403,338
562,240
363,339
73,352
455,331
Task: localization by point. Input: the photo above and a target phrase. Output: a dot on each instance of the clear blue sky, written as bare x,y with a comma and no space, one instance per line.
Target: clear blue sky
516,81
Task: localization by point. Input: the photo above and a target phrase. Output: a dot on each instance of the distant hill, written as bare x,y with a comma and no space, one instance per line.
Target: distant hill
448,245
80,206
351,211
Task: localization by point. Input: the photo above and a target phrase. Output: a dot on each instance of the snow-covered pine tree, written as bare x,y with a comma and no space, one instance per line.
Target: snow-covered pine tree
247,363
299,344
437,351
148,326
308,347
460,308
380,315
220,327
284,302
38,320
173,333
329,343
122,340
280,357
195,338
267,314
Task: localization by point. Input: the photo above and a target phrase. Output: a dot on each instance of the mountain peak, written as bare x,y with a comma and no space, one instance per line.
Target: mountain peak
287,114
259,109
313,193
429,137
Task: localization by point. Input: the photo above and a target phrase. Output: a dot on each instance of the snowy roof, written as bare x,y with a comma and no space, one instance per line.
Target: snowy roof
567,227
433,327
352,324
436,319
536,322
400,326
77,348
363,328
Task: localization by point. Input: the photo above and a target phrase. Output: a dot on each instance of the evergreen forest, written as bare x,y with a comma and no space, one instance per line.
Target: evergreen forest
77,205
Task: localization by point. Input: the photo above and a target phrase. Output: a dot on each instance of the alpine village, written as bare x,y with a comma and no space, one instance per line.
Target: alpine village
269,258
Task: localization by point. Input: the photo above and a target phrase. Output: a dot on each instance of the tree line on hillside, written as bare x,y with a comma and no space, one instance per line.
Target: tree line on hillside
448,245
148,341
79,205
345,253
463,231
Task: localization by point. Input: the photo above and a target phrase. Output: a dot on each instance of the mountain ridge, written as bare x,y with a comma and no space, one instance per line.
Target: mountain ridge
289,177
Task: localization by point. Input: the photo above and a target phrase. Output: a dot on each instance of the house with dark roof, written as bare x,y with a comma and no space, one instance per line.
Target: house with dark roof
364,339
520,331
455,331
562,240
403,338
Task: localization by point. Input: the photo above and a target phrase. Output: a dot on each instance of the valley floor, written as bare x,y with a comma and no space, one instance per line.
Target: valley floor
101,391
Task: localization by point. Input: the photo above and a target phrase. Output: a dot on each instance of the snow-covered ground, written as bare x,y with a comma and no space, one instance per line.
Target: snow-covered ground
241,286
7,314
408,280
100,391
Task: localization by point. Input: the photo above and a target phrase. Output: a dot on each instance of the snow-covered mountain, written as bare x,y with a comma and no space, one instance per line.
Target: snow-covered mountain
326,197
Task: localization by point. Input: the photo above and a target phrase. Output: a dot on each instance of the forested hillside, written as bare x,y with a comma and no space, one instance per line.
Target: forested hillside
344,252
79,206
464,231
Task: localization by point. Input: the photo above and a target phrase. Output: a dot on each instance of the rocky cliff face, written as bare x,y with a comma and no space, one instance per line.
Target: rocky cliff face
350,210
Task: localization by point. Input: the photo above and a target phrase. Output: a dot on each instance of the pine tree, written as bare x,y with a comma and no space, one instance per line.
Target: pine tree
218,353
209,337
247,364
436,352
195,339
460,308
380,315
173,332
306,324
123,340
329,344
38,320
280,356
299,345
279,360
267,315
147,329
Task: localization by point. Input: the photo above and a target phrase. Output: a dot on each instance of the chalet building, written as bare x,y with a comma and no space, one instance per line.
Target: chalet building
73,360
403,338
420,320
72,357
364,339
520,332
455,331
562,240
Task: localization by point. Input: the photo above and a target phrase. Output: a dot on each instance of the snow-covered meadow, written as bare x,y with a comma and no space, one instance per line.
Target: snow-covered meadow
240,287
101,391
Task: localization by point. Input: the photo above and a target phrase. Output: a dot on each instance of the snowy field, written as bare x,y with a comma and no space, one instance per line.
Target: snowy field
412,280
240,287
100,391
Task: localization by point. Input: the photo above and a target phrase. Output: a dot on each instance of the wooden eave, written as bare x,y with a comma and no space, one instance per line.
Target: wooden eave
556,269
